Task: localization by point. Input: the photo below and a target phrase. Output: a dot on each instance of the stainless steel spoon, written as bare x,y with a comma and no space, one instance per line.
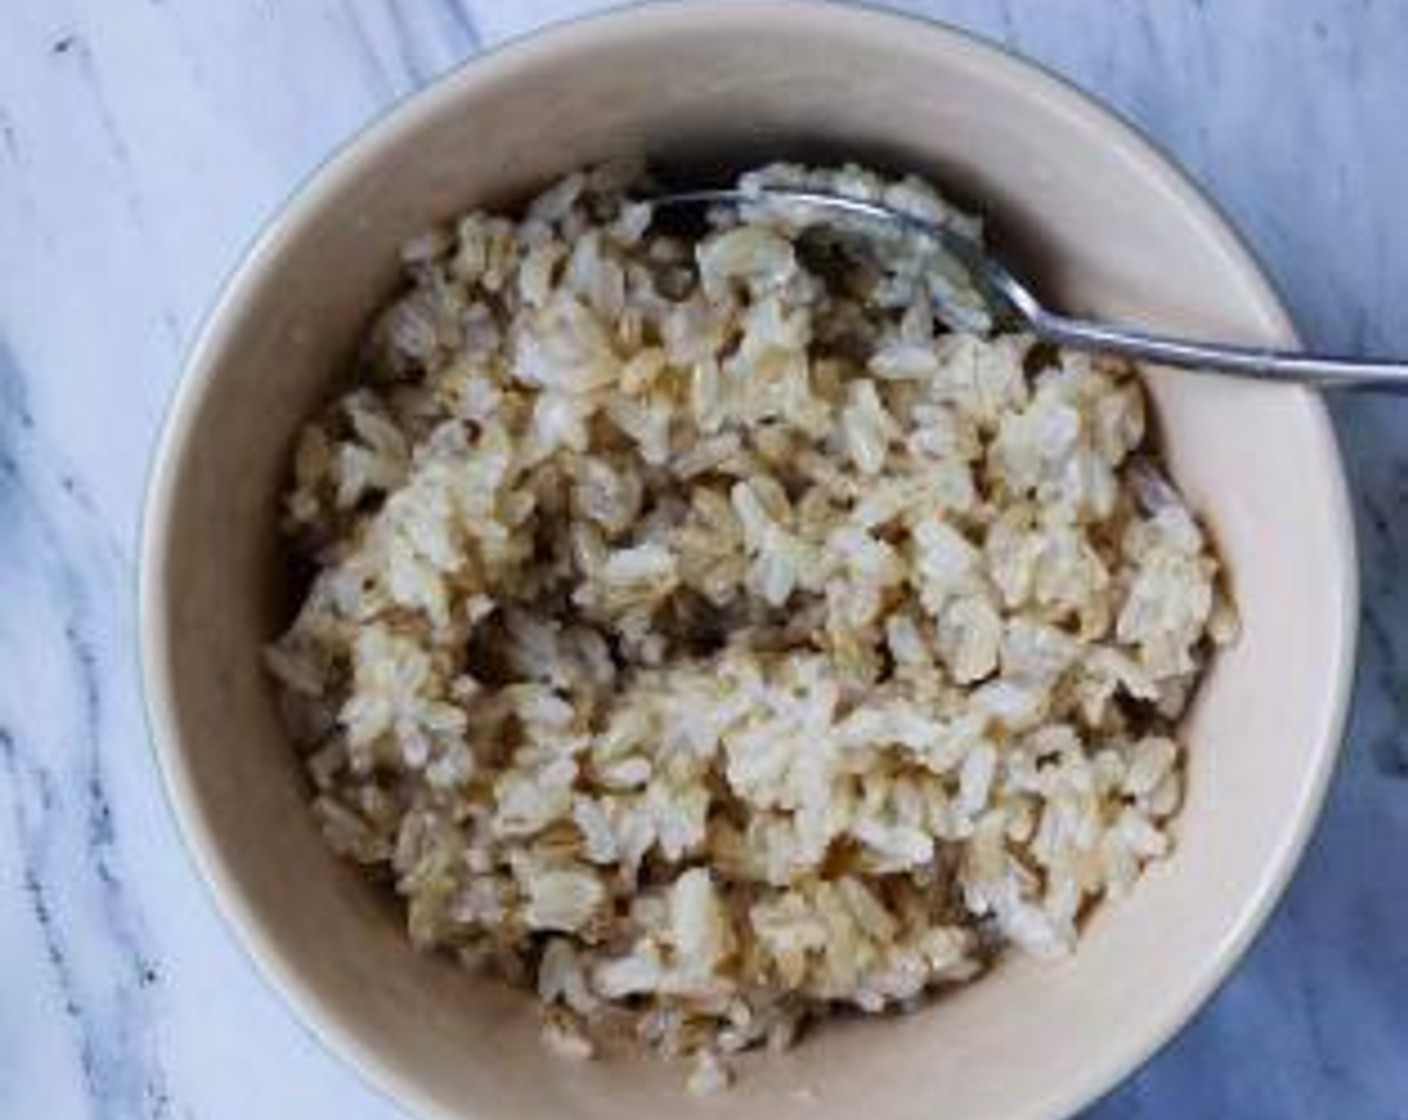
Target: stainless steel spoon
1002,288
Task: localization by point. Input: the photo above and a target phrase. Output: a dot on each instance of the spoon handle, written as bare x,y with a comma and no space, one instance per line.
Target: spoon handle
1255,362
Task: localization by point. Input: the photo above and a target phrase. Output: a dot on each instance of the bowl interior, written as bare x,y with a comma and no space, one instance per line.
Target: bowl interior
1106,227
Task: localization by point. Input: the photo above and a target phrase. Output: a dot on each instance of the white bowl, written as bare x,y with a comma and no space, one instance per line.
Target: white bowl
1106,224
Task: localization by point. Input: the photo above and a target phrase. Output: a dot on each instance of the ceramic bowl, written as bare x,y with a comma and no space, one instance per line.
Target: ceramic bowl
1104,224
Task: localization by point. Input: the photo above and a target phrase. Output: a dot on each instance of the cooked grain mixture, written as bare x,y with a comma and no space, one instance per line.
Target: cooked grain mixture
706,637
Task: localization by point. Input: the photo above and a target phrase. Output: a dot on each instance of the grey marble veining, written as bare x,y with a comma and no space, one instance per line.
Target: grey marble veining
141,144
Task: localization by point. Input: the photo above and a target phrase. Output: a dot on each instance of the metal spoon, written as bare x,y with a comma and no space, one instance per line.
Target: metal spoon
1004,289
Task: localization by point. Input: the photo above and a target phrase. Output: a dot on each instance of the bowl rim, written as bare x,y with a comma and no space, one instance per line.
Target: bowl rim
679,17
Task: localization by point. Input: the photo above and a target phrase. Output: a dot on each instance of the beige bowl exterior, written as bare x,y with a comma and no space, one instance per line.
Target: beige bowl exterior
1107,225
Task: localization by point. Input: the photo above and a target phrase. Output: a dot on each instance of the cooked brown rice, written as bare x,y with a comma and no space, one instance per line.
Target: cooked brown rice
704,636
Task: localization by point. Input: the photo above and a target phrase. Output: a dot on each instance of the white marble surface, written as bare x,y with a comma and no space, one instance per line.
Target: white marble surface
141,144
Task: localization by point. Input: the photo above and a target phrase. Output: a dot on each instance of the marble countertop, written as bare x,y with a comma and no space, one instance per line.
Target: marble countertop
141,144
